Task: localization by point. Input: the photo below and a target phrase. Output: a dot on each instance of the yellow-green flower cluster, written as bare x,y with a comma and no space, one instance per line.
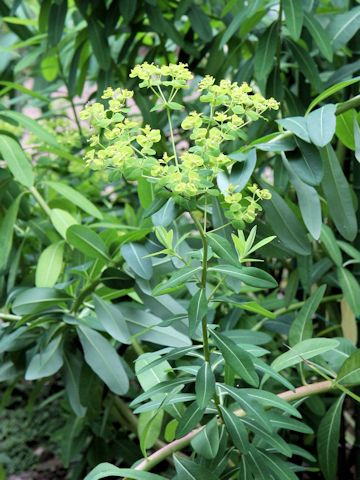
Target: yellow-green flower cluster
122,143
241,208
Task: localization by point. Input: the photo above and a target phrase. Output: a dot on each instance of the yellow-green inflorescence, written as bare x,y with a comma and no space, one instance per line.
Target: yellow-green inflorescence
122,143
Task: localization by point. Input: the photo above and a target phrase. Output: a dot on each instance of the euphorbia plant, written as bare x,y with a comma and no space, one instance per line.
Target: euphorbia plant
188,171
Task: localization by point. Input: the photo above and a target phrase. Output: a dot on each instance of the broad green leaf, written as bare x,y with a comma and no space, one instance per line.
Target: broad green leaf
177,278
189,419
17,161
294,16
188,470
268,399
296,125
112,320
331,91
103,359
105,470
35,300
151,370
328,439
349,373
49,67
280,421
345,128
348,322
159,387
319,35
49,265
350,288
265,52
321,125
72,372
272,439
304,351
165,215
200,22
338,195
149,429
236,358
329,242
343,27
273,463
32,125
206,442
252,408
62,220
223,249
76,198
87,241
6,233
302,328
308,164
252,276
198,306
243,168
350,250
135,256
47,362
236,428
285,224
205,385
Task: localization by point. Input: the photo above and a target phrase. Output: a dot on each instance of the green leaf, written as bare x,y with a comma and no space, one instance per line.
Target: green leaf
250,406
87,241
149,429
273,463
198,307
7,232
242,14
17,161
343,27
236,428
338,195
356,139
268,399
49,265
296,125
302,328
35,300
328,439
272,439
265,52
17,86
319,35
189,470
223,249
76,198
243,168
308,166
285,224
189,419
321,125
345,128
280,421
165,215
350,288
103,359
135,255
252,276
294,16
350,250
62,220
329,242
47,362
306,64
200,22
206,442
49,67
178,278
331,91
205,385
99,43
304,351
349,373
105,470
72,372
32,125
236,358
112,320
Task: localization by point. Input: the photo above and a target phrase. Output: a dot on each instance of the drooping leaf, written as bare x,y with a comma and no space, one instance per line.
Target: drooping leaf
87,241
350,287
16,160
188,470
296,125
134,254
112,320
62,220
198,306
47,362
349,373
35,300
206,442
321,125
319,34
223,249
328,240
236,428
265,52
328,439
251,276
189,420
343,27
105,470
348,322
49,265
72,372
103,359
6,233
205,385
294,16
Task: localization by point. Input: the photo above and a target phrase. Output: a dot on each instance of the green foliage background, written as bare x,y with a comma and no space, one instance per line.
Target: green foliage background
56,55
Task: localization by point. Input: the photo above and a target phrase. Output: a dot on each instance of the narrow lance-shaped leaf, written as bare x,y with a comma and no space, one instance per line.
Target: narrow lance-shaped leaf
328,439
205,385
47,362
112,320
105,470
177,278
87,241
265,52
301,328
234,356
349,373
294,16
236,429
351,289
6,233
206,442
197,310
189,420
319,34
49,265
251,276
16,160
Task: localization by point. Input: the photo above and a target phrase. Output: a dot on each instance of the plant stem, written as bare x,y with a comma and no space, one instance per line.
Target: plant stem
83,294
41,201
9,316
289,396
297,305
